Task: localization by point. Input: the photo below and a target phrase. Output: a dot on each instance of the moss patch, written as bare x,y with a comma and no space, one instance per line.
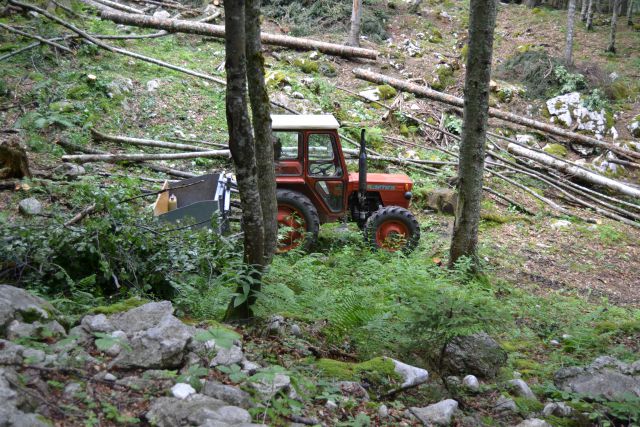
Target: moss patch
387,92
121,306
377,370
557,150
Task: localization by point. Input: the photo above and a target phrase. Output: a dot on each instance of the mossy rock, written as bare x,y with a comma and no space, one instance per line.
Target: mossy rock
327,69
120,307
557,150
379,372
387,92
277,79
307,66
435,36
404,130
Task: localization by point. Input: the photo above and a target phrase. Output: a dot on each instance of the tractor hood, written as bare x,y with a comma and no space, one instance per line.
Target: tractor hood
383,182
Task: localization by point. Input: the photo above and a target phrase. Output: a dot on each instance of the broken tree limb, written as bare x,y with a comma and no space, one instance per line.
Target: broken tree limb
80,215
35,37
210,30
141,157
120,6
582,174
98,136
493,112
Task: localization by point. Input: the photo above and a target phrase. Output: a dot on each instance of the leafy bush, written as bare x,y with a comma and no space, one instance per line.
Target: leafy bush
569,82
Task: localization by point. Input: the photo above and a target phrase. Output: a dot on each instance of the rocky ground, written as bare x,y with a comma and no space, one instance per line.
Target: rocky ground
144,366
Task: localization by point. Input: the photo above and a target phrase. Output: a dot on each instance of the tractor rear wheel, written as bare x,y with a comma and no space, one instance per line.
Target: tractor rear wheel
392,228
298,221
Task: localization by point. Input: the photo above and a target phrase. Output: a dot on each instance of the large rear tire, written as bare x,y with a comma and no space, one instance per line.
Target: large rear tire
300,217
392,229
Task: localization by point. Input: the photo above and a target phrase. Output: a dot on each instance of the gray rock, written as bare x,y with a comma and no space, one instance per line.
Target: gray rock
142,318
477,354
470,382
71,389
30,207
534,422
76,358
182,390
296,331
10,353
161,14
18,304
521,389
275,324
136,383
267,387
97,323
297,95
412,375
69,170
153,85
232,415
8,396
110,377
439,414
37,330
116,348
232,395
331,405
557,409
634,127
504,404
383,412
33,356
353,389
249,367
453,381
11,416
171,411
228,356
606,378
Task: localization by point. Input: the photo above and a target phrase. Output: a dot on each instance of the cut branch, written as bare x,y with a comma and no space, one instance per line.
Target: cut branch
140,157
493,112
98,136
35,37
210,30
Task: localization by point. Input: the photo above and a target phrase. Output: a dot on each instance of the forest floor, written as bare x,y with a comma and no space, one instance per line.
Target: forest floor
550,278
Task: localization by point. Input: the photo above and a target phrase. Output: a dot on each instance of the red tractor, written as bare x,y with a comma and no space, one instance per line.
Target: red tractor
314,187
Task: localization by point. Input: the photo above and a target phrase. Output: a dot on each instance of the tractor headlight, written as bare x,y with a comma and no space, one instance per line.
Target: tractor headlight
408,195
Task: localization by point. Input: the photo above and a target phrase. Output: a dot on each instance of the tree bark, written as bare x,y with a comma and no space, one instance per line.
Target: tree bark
482,19
98,136
493,112
241,144
532,3
579,173
614,26
590,11
571,14
210,30
356,17
583,10
630,13
141,157
261,116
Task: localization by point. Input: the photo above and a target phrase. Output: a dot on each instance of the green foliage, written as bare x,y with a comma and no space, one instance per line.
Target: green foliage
557,150
569,82
453,124
192,376
378,367
223,337
596,101
105,341
119,307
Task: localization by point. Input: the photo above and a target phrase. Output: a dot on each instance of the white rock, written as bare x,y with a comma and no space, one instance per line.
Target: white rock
534,422
471,383
249,367
558,409
331,405
383,412
370,94
297,95
314,55
228,356
522,389
560,223
439,414
554,343
526,139
412,375
109,377
182,390
162,14
153,85
565,109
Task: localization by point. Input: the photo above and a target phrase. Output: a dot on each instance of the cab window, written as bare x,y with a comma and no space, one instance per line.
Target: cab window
286,145
323,161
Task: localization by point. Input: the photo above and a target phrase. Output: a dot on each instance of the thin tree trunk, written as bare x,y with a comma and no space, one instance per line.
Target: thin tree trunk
356,18
242,147
532,3
614,26
571,14
630,13
99,136
482,18
493,112
259,99
583,10
210,30
141,157
590,11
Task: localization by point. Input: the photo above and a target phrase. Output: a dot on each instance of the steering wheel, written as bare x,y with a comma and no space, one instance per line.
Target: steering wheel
321,169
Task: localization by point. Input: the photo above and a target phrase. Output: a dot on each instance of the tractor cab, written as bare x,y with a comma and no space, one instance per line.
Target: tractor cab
314,187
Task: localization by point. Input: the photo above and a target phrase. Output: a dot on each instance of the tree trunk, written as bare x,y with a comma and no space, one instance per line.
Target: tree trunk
493,112
242,148
482,19
356,17
210,30
568,51
614,26
583,10
141,157
590,11
630,13
532,3
259,99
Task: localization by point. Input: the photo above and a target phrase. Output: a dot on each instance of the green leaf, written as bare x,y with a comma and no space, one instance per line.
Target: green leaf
222,336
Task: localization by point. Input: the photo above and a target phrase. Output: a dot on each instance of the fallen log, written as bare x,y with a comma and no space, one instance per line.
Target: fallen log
35,37
98,136
119,6
583,174
141,157
493,112
210,30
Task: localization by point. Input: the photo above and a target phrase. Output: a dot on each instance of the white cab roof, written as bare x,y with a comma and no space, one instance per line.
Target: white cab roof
303,121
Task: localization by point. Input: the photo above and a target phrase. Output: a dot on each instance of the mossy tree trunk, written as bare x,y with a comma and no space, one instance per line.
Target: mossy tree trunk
571,14
482,19
583,10
614,26
630,13
356,18
590,12
241,144
259,99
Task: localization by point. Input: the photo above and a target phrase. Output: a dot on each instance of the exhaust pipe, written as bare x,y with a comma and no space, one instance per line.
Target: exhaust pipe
362,177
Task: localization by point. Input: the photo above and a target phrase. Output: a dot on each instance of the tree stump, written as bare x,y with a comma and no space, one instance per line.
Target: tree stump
13,160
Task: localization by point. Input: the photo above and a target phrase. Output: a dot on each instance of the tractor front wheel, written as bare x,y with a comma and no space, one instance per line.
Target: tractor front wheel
392,228
298,221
